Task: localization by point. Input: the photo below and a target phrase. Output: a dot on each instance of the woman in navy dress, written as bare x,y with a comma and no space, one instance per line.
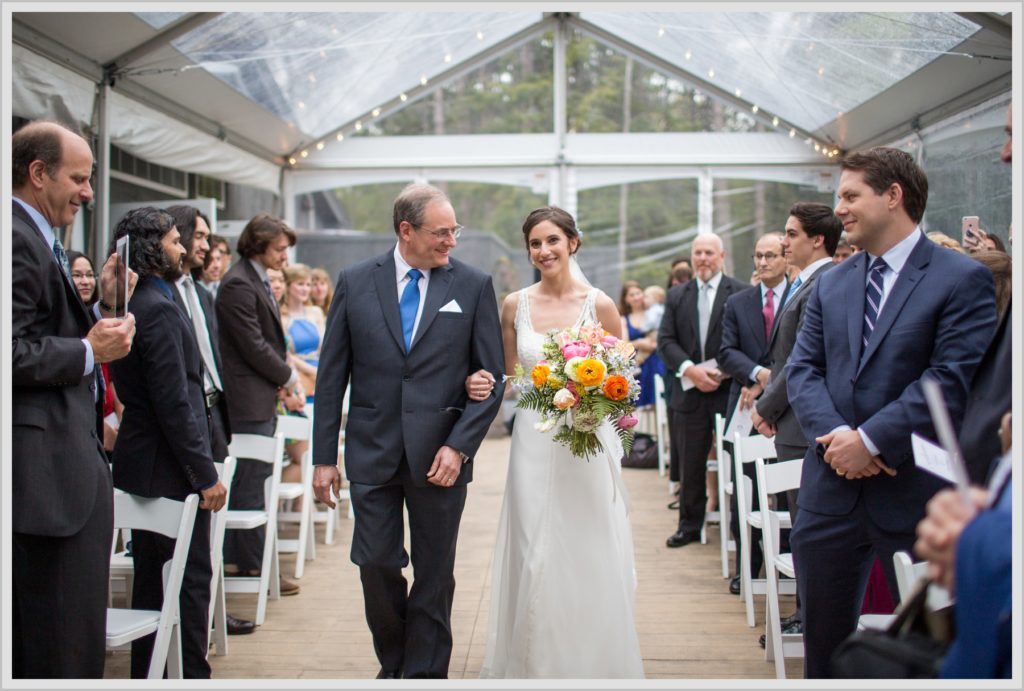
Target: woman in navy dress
635,327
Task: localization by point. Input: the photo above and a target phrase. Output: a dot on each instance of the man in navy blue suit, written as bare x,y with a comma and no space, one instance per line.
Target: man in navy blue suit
746,327
874,327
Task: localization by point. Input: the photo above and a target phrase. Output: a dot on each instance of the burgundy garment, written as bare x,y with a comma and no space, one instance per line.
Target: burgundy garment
877,597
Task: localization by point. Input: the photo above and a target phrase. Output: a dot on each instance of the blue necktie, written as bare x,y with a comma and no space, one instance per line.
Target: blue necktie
61,256
796,284
873,296
410,304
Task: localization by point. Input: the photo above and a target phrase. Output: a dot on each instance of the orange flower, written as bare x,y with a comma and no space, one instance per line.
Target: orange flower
590,372
540,375
616,388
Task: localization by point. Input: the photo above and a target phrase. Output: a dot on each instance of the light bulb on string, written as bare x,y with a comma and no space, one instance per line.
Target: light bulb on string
688,55
423,80
302,105
319,146
340,136
711,74
479,35
792,133
821,71
447,57
291,161
403,98
775,121
376,112
739,93
817,147
754,108
304,153
359,125
661,31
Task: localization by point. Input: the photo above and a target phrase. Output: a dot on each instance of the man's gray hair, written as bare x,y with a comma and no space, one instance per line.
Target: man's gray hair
412,202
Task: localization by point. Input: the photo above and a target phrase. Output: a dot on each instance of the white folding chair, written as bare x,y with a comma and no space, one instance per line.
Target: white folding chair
725,491
298,428
661,426
172,519
746,450
218,524
268,583
908,575
772,479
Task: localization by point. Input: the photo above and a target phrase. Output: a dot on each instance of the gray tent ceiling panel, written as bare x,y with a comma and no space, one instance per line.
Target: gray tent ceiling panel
100,36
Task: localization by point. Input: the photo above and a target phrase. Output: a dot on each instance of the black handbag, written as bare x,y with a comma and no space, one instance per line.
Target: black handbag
643,454
913,646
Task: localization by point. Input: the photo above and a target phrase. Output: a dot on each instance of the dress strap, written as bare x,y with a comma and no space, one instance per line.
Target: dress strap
589,311
523,322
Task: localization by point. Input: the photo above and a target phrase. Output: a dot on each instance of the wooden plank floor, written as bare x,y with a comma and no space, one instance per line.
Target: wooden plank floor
690,627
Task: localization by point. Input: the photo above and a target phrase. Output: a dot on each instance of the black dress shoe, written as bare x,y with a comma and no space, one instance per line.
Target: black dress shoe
794,626
239,627
794,617
734,585
388,674
682,537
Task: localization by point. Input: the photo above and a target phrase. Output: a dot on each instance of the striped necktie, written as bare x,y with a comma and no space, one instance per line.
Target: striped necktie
61,256
873,296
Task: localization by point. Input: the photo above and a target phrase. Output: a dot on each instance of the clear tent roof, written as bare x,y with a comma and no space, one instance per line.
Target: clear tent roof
809,67
316,70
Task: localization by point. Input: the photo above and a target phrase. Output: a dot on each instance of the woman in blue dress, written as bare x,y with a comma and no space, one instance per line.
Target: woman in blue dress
635,327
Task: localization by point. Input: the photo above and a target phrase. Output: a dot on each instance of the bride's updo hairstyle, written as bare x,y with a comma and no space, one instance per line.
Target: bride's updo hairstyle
559,217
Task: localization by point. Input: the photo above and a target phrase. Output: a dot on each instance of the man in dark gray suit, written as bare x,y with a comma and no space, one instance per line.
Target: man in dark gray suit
812,234
62,512
405,330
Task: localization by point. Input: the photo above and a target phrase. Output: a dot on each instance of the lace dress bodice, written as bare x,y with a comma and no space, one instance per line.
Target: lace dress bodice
529,343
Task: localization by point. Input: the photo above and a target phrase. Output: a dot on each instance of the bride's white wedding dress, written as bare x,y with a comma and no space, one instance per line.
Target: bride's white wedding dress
563,579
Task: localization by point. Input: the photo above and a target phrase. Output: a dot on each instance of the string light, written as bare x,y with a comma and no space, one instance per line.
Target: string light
447,57
739,92
359,125
711,74
376,112
340,136
304,153
302,105
792,133
754,108
817,147
821,71
835,152
319,146
291,161
775,121
423,80
479,35
688,55
403,97
661,31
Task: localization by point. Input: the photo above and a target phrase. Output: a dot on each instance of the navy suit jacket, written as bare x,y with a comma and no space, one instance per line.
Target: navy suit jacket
743,340
936,321
405,403
163,445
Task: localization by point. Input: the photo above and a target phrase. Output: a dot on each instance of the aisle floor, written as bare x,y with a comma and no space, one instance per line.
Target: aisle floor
690,627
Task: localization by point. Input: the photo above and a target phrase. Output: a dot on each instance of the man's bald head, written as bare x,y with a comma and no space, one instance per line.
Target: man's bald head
708,255
41,140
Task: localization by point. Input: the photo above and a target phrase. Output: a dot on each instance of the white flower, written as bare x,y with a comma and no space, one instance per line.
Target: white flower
570,368
564,399
586,422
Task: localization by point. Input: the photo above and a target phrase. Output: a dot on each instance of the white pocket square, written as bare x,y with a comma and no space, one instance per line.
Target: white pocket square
451,307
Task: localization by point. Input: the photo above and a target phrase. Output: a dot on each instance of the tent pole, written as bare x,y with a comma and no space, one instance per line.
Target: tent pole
101,234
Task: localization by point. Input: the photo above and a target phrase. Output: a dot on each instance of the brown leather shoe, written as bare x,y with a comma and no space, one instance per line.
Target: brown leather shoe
289,587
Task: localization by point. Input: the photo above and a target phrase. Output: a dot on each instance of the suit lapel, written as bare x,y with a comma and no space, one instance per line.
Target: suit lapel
69,287
264,296
855,286
437,291
387,293
906,282
692,318
756,321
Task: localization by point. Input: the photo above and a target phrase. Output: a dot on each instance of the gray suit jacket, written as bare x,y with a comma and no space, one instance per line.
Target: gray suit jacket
405,404
773,405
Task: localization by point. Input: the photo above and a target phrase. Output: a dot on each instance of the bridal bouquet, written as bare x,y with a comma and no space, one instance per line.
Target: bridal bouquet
585,378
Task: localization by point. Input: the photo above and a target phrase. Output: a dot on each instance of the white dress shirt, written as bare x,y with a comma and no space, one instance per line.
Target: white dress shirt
712,291
808,271
401,269
777,293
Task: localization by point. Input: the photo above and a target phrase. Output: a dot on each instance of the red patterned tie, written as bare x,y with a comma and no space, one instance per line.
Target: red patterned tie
768,311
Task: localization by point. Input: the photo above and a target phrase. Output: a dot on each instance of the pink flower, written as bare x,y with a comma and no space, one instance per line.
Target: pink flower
591,334
575,349
609,341
563,338
564,399
572,388
627,421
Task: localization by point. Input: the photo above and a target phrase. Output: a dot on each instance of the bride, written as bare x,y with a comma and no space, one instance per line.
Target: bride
563,580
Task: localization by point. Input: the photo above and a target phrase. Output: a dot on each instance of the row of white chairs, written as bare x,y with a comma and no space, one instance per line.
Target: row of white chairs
175,519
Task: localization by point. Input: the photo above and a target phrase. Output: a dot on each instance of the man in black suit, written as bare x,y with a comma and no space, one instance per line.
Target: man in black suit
749,316
163,444
62,513
256,372
690,334
197,303
411,431
812,234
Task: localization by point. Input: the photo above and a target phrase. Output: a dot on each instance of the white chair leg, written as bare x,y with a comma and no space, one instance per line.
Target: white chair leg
269,576
746,584
310,527
220,616
175,667
724,517
301,543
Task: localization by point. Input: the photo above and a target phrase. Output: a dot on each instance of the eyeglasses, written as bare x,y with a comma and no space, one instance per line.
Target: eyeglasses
78,274
442,233
769,256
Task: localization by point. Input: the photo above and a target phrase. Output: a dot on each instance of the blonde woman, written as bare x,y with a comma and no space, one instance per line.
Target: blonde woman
323,290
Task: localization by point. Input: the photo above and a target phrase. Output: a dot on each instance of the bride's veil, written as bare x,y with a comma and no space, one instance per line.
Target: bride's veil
577,271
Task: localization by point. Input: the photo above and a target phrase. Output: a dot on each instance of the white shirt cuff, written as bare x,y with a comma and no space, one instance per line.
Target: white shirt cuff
683,367
872,449
90,359
292,380
840,428
753,373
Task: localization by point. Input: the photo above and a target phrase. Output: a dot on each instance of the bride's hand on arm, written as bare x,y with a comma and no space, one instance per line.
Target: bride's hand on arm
608,315
480,385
